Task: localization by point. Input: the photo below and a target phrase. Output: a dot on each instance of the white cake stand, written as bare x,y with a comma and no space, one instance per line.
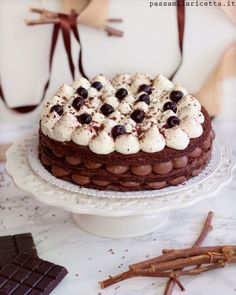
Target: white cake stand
111,214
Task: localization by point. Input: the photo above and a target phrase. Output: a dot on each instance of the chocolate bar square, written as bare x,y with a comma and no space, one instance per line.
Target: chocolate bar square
28,275
11,246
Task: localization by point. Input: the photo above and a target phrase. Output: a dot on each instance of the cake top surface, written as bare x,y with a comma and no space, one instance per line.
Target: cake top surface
126,114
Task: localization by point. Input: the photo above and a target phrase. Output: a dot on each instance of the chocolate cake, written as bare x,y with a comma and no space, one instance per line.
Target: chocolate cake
125,134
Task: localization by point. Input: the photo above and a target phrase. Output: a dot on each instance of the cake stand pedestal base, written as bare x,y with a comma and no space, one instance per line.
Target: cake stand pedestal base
120,227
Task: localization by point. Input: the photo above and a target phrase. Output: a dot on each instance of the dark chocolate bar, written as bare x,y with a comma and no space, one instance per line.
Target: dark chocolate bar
29,275
11,246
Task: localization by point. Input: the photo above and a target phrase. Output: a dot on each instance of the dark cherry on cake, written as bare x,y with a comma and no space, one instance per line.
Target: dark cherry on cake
84,118
57,108
145,88
97,85
138,116
176,95
132,149
173,121
145,98
78,102
107,109
82,92
118,130
170,106
121,93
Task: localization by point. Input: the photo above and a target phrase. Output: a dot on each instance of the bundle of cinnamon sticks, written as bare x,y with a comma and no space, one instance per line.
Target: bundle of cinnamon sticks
172,262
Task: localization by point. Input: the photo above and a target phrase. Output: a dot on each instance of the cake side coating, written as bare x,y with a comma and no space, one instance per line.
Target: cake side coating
75,150
71,162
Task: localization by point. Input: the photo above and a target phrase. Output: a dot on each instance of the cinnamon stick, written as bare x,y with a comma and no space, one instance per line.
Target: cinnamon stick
207,227
156,273
187,252
172,263
137,273
116,279
177,281
193,260
178,273
168,268
169,287
171,254
151,273
200,270
130,273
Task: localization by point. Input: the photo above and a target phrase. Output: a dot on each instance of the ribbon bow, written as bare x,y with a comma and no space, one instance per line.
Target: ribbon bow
67,23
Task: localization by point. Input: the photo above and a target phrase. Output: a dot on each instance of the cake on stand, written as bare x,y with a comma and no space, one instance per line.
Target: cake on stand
115,214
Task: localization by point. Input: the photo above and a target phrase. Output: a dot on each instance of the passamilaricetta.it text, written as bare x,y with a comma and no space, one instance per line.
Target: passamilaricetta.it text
190,3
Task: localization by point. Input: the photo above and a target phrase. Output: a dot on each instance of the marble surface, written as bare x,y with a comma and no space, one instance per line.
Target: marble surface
90,259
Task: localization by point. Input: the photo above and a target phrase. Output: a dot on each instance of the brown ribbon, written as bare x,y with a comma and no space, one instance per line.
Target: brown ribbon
77,37
181,24
66,24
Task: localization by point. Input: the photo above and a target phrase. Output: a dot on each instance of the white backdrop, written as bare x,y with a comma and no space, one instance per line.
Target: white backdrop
149,44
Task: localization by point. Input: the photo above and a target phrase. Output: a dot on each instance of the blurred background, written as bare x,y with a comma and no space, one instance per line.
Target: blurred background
149,44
